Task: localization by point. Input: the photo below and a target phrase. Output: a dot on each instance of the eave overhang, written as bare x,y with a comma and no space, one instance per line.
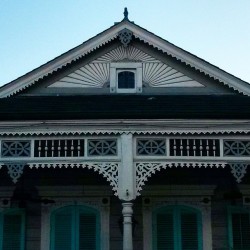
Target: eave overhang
125,107
125,126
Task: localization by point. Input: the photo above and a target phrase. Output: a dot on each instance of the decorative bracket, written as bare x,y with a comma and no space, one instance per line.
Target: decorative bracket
144,170
108,170
125,37
238,170
15,170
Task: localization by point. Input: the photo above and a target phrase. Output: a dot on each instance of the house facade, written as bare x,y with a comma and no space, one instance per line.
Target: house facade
125,142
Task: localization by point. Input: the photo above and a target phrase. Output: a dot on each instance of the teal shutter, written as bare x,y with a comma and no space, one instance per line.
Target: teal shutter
75,228
62,225
13,231
177,228
189,231
87,232
241,231
164,231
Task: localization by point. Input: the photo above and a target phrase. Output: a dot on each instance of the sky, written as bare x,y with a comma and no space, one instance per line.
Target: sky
32,32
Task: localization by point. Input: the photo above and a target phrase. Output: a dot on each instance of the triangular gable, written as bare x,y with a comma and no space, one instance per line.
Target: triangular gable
96,74
107,36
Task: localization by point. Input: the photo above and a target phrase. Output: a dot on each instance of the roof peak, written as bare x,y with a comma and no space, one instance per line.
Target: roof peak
125,13
125,18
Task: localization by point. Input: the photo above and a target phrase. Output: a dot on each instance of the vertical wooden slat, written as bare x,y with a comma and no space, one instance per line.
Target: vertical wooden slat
13,231
87,231
165,231
189,231
62,230
241,230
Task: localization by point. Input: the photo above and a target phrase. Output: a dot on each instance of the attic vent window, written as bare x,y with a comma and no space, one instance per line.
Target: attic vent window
126,77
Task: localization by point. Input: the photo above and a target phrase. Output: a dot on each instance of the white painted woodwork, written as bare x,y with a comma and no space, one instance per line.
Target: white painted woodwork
126,176
105,127
126,171
116,67
127,212
103,70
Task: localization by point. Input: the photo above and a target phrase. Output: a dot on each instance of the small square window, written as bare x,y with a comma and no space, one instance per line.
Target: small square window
126,78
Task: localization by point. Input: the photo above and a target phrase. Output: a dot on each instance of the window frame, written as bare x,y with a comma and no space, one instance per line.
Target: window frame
74,197
125,90
184,195
116,68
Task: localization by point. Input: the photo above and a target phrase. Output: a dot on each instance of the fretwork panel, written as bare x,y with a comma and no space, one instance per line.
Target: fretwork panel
102,147
15,149
59,148
236,148
151,147
194,147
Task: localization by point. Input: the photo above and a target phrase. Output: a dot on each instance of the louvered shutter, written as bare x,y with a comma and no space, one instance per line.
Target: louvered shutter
241,231
62,236
87,231
189,230
13,231
165,231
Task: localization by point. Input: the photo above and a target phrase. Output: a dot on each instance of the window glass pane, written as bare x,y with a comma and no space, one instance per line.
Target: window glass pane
126,80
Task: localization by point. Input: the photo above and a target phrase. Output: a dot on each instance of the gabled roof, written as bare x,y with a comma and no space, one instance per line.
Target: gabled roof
107,36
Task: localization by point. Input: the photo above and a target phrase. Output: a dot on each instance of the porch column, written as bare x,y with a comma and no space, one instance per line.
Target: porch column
127,213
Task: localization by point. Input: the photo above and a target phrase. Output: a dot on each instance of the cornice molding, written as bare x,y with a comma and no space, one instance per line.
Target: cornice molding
125,126
120,132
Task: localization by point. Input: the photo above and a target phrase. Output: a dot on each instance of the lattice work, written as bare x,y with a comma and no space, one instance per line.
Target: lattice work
194,147
238,170
15,171
236,148
144,170
109,170
150,147
59,148
15,149
102,147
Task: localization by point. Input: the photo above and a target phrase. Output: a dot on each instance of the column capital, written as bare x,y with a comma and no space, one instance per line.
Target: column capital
127,208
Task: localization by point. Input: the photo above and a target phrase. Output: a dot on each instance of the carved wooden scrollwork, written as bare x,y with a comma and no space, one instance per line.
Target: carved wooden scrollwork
238,170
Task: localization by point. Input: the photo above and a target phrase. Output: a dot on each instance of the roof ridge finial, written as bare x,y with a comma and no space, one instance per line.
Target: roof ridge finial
125,14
